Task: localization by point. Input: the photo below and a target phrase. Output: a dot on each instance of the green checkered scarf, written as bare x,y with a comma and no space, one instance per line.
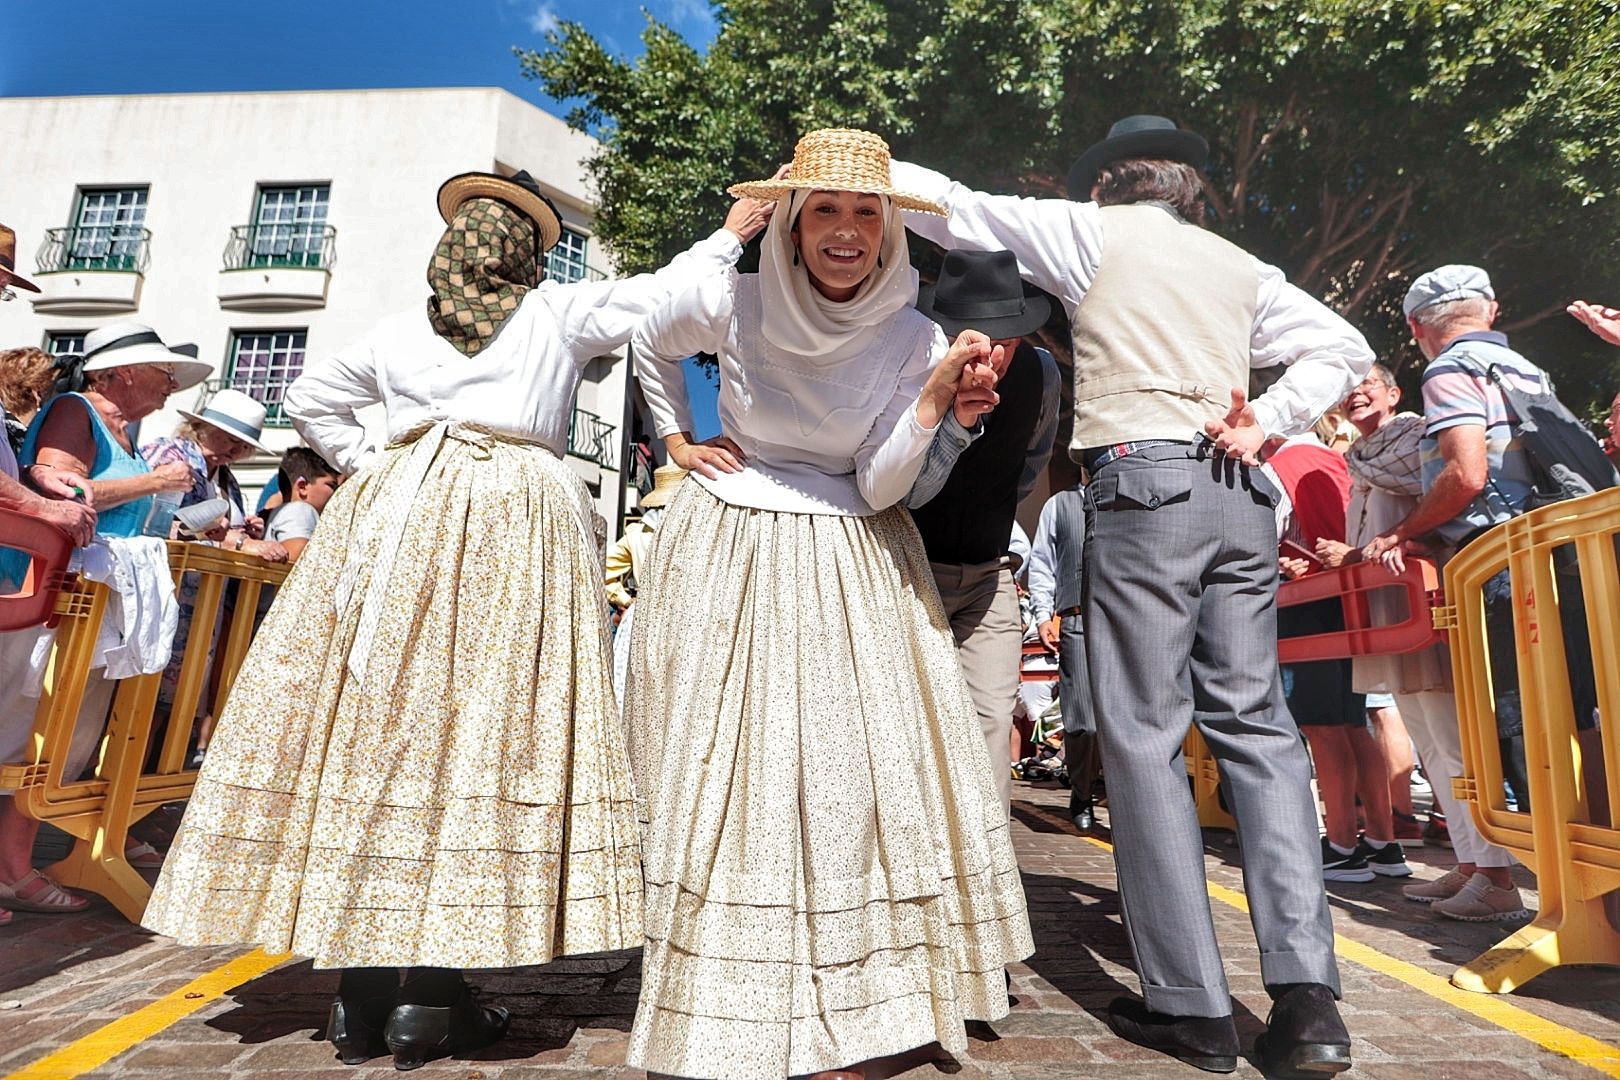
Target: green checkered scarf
484,264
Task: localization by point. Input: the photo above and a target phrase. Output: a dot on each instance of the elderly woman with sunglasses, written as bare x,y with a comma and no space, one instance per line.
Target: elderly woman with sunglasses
129,374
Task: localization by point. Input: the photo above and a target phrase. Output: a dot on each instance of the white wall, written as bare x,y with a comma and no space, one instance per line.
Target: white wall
203,157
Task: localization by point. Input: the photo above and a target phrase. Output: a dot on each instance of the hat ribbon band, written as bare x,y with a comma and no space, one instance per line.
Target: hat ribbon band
979,309
146,337
7,263
230,423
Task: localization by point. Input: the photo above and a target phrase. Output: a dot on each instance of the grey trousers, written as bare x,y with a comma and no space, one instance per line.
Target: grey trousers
1074,697
1180,579
981,603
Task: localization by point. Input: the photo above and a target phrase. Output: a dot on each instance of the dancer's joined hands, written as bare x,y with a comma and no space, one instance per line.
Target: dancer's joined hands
964,381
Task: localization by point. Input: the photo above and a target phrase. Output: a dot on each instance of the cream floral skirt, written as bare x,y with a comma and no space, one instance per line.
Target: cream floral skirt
468,804
828,868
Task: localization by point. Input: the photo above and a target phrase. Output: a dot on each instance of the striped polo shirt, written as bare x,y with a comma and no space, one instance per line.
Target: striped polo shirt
1457,392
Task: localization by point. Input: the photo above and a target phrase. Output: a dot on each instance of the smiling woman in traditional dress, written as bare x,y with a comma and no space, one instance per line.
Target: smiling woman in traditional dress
420,765
828,869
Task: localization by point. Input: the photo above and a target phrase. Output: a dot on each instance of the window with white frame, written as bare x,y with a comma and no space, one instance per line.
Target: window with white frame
263,363
565,262
108,229
289,226
61,342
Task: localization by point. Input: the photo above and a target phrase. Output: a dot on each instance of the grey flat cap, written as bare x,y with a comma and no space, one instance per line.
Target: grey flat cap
1452,282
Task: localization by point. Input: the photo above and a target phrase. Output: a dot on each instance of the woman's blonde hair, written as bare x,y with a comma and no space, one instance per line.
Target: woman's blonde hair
26,378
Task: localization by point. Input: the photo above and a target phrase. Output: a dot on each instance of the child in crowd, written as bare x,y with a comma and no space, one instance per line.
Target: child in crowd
306,482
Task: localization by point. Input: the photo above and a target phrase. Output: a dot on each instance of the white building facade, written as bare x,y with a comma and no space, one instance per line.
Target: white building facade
271,228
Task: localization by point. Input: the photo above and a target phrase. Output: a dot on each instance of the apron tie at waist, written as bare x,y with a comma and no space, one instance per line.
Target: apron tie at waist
424,442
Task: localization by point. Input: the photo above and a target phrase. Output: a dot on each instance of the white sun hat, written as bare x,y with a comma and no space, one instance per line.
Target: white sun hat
120,344
234,413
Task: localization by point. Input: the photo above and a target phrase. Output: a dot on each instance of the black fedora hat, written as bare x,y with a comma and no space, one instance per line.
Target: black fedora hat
981,290
519,191
1140,136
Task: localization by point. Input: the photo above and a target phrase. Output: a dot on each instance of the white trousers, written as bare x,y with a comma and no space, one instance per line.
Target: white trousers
1431,719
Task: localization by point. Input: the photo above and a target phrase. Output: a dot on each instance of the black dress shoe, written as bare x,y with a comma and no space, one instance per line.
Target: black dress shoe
355,1031
1205,1042
1305,1038
416,1033
1080,812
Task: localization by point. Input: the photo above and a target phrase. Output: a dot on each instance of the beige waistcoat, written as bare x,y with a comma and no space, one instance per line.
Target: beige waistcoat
1162,336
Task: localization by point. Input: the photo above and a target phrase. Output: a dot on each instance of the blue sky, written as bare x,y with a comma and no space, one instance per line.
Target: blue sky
105,47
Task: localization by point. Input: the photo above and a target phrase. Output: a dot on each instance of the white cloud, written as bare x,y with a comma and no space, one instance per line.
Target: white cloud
542,17
689,15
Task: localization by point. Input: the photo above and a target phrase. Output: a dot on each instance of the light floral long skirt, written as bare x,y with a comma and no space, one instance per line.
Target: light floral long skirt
468,804
828,868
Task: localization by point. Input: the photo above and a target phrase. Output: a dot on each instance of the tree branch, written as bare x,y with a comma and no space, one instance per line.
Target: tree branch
1542,315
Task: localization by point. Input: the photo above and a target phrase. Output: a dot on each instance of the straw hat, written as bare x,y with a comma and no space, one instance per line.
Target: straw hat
124,343
8,262
520,191
666,478
838,159
234,413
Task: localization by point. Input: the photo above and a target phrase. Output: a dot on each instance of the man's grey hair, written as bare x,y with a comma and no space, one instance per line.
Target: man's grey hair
1449,314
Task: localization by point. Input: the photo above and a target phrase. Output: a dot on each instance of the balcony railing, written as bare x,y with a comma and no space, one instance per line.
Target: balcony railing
299,247
590,437
265,388
121,248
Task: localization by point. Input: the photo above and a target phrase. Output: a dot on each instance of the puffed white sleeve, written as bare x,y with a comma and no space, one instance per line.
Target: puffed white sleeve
1325,356
888,461
1058,243
693,320
322,403
598,316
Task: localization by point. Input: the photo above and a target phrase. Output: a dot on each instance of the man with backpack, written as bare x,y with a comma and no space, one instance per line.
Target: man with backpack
1496,443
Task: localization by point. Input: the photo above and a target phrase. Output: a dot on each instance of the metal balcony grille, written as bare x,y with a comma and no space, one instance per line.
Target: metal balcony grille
591,438
124,248
295,245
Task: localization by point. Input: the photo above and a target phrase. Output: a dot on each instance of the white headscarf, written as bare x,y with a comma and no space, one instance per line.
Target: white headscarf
797,319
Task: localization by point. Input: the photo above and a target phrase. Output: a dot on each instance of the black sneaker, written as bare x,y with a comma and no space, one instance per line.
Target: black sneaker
1386,861
1339,867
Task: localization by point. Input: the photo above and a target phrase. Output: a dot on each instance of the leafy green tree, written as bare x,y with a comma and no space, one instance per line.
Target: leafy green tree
1355,143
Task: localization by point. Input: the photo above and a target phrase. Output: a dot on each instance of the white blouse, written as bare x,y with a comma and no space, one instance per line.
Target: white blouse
522,382
830,435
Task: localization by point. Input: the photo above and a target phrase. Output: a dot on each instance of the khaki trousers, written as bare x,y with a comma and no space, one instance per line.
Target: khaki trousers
981,603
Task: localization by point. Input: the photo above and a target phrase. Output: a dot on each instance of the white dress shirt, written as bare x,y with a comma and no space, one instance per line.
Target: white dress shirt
523,382
1058,245
834,434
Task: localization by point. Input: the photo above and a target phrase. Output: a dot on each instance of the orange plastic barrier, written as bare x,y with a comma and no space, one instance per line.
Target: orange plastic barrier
1035,648
1354,584
48,549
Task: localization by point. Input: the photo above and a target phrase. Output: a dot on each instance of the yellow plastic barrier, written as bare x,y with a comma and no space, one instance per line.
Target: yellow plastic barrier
1577,862
1205,774
98,812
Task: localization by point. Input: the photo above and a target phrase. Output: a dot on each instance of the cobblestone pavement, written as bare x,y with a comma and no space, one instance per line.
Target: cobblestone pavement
63,977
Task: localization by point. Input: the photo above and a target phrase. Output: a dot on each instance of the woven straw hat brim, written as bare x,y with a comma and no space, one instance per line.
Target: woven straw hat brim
459,189
780,189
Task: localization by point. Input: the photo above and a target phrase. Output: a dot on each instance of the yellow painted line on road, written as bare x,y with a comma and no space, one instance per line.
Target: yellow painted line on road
106,1043
1593,1053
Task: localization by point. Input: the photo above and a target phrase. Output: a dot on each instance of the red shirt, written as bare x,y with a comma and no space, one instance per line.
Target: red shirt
1318,484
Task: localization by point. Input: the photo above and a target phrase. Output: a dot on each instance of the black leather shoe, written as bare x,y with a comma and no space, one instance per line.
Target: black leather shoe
416,1033
1305,1038
1205,1042
1080,811
356,1032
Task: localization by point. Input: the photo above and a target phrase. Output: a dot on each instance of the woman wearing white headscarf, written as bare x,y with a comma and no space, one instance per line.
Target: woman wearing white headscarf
829,876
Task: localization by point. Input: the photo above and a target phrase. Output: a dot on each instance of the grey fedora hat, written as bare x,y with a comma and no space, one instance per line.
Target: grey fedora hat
1140,136
981,290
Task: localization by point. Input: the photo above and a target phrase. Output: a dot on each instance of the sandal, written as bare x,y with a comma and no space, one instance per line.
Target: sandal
48,898
143,856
